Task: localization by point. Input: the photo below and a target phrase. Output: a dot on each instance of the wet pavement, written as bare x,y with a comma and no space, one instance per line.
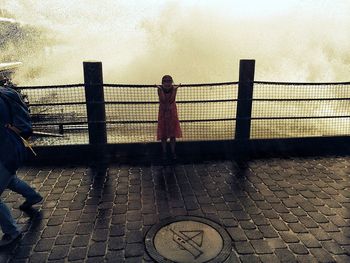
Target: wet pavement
274,210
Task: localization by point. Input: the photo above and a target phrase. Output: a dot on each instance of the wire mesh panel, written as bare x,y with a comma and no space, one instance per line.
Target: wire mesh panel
58,114
285,110
206,112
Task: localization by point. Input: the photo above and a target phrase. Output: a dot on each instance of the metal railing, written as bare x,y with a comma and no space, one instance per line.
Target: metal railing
289,110
98,114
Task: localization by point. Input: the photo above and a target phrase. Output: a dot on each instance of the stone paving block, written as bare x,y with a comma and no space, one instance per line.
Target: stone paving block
318,217
85,226
285,255
322,255
64,240
269,258
278,203
318,203
44,245
280,208
275,243
135,225
237,234
134,250
233,258
320,234
298,249
340,238
306,259
290,203
68,228
55,221
263,205
72,216
289,218
297,228
259,219
38,258
95,260
134,260
332,203
307,206
333,248
279,225
113,256
342,258
338,221
51,231
77,254
116,243
59,252
253,210
253,234
134,236
243,248
97,249
329,227
268,231
81,240
309,241
308,222
289,237
249,259
261,246
247,225
100,235
208,209
230,223
241,215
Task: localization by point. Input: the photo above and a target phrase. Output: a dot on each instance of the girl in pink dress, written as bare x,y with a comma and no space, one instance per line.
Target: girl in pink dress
168,121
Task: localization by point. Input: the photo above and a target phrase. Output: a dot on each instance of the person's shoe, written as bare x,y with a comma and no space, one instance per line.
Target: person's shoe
28,204
174,157
9,239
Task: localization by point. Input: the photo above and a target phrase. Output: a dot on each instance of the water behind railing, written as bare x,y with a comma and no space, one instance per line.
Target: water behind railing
206,111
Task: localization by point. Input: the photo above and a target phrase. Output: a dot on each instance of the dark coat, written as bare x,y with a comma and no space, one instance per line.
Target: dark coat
12,149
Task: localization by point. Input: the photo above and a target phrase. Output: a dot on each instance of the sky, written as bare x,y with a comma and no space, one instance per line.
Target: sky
195,41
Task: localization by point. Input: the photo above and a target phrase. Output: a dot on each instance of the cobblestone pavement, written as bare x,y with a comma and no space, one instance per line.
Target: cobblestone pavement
276,210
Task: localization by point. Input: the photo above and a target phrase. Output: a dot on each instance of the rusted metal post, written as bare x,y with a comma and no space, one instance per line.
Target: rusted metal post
245,96
95,106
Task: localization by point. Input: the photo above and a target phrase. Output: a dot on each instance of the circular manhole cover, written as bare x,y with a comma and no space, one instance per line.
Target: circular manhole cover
187,239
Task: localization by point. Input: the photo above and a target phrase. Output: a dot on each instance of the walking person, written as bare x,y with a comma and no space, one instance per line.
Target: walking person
168,121
14,125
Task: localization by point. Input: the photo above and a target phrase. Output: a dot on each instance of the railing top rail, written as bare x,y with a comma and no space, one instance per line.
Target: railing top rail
189,85
182,85
301,83
51,86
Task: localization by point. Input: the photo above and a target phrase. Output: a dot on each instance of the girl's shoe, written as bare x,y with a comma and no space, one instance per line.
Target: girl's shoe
164,156
174,157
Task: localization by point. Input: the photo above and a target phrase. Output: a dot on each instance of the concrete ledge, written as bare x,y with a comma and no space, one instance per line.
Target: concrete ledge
192,151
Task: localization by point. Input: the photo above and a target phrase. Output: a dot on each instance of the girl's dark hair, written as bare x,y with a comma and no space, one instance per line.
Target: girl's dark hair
167,78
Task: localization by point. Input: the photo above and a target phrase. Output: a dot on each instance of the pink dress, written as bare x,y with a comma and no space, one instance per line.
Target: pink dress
168,121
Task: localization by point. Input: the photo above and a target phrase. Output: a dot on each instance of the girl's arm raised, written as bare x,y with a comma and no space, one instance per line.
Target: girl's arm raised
160,94
173,95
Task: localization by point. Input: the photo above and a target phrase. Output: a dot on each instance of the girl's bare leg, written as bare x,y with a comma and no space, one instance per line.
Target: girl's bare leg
164,147
172,146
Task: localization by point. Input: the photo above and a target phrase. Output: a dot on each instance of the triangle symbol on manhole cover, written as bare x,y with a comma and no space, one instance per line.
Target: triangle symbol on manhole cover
195,236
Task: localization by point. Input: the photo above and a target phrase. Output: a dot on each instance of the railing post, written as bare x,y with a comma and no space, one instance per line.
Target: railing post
245,96
95,107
